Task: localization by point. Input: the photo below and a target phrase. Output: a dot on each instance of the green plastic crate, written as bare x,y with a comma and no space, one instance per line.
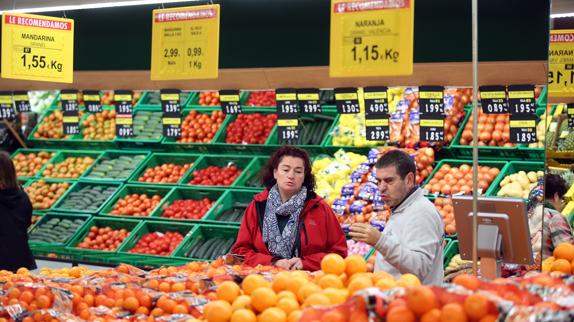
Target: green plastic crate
201,232
543,98
456,163
203,162
115,223
139,142
450,251
226,203
249,179
47,217
149,190
111,155
328,147
329,116
194,101
245,97
157,159
79,141
50,143
185,193
28,151
152,98
511,168
48,180
171,144
221,146
59,206
149,227
64,154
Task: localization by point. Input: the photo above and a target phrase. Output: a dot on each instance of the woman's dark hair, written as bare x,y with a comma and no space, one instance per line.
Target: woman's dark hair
8,178
267,177
554,185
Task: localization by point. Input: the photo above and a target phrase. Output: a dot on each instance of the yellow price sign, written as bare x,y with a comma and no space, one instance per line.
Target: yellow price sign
371,38
561,63
37,48
185,43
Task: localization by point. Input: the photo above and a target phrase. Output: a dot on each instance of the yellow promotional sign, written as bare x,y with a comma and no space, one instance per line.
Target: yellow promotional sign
37,48
561,63
185,43
371,38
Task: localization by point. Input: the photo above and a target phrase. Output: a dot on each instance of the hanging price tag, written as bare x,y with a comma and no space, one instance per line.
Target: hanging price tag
286,102
93,101
432,130
288,130
377,129
71,111
124,113
230,103
570,110
561,63
431,101
171,118
521,100
37,48
376,101
493,99
22,102
522,129
371,38
6,106
309,100
347,100
185,43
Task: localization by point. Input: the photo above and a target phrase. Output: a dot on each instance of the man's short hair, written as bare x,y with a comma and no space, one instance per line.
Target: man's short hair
401,160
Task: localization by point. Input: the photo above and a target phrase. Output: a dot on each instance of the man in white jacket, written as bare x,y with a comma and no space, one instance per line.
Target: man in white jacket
412,241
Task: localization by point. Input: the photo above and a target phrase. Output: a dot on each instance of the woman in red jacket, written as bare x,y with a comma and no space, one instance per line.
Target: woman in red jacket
288,225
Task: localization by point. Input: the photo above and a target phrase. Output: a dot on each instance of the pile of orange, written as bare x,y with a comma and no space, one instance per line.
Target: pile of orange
444,207
562,261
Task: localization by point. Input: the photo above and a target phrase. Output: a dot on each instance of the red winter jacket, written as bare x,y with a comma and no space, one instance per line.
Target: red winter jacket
319,233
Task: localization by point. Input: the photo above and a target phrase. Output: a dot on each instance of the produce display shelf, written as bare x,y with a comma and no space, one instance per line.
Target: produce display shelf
50,181
158,159
188,193
242,163
171,144
49,143
202,232
28,151
233,201
77,186
113,154
194,102
185,98
511,168
79,141
49,216
249,179
128,189
64,154
139,143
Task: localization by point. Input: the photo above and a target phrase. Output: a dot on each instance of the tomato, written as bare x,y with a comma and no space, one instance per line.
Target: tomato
104,238
261,98
157,243
209,98
127,205
188,209
165,173
250,128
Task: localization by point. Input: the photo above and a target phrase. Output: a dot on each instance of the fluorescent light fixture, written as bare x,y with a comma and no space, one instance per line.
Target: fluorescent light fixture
562,15
93,6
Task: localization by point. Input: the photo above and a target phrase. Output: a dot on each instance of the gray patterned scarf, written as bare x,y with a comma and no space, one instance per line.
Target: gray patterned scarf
281,244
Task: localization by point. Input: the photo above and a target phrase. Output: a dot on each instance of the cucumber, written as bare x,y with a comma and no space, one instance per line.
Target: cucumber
213,250
226,247
200,254
191,252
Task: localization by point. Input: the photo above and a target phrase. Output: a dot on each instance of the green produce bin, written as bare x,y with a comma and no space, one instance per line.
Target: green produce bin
250,178
203,162
543,98
231,207
95,144
185,193
50,181
329,148
78,186
149,227
511,168
193,102
149,190
94,175
158,159
65,142
29,151
221,146
152,98
450,251
171,144
148,130
202,232
64,154
308,131
245,97
78,219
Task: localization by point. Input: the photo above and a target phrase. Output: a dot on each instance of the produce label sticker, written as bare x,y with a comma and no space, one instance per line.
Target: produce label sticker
521,100
286,99
93,101
431,101
22,102
229,100
171,108
432,130
71,111
371,38
561,63
522,129
570,110
124,113
376,113
347,100
6,106
185,43
309,100
288,129
37,48
493,99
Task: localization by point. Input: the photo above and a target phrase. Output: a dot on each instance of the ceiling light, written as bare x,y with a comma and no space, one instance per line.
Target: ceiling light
93,6
562,15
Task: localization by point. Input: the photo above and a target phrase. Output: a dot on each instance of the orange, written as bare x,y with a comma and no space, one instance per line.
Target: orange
453,312
489,318
241,302
420,299
358,284
27,297
228,291
334,316
307,290
178,287
263,298
44,302
272,314
547,264
408,280
164,287
168,305
330,280
400,314
377,276
131,304
333,264
564,251
142,310
316,299
335,296
296,284
89,299
287,305
431,316
286,294
156,312
281,281
253,282
180,309
467,281
217,311
476,306
295,316
243,315
355,264
561,265
386,283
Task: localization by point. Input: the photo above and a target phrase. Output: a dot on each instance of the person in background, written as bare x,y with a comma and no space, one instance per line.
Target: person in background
16,217
288,225
412,241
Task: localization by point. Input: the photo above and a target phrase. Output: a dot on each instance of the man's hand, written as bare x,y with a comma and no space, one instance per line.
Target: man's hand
365,233
283,263
296,263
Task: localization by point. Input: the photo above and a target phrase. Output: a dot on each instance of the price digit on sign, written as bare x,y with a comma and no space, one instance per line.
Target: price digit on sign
309,100
124,113
22,102
71,111
6,107
93,101
230,101
522,129
431,101
171,118
521,100
347,100
287,115
561,63
432,130
376,113
493,99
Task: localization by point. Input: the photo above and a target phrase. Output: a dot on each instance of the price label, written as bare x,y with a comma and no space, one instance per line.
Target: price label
69,100
230,103
431,100
493,99
522,130
6,106
171,118
347,100
309,100
185,43
561,63
124,113
22,102
377,129
288,130
286,102
93,101
371,38
171,126
37,48
71,125
570,110
521,100
432,130
376,102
